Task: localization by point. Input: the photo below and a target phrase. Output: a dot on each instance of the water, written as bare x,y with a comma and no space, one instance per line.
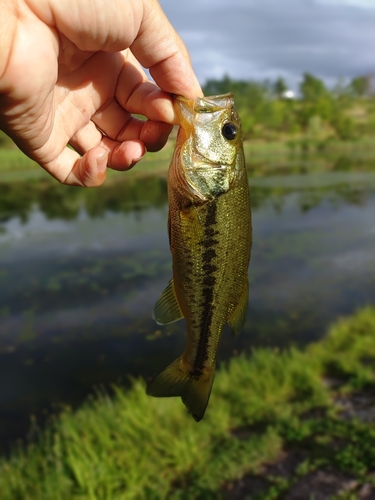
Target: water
80,271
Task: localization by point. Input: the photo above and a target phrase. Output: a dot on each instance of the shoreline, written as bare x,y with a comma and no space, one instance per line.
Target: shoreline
15,166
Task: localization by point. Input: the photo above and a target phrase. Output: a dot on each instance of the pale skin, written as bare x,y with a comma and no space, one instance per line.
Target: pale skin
71,73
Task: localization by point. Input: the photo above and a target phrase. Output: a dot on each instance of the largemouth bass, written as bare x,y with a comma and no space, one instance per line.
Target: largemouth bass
210,242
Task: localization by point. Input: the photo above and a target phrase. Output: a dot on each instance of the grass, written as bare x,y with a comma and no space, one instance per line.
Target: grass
131,446
15,166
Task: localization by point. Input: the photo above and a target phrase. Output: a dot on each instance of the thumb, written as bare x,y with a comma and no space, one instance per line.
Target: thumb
159,48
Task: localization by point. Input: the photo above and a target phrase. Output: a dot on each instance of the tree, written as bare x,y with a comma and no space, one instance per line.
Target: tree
280,87
248,94
312,88
217,87
361,85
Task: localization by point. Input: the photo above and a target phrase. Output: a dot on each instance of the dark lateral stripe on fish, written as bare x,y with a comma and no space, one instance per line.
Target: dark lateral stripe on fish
208,282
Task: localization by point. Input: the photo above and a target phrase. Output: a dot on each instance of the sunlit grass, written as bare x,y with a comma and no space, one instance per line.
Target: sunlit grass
14,165
12,158
131,446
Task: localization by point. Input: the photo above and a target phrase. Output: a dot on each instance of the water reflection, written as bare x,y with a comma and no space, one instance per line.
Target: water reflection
80,271
62,202
349,174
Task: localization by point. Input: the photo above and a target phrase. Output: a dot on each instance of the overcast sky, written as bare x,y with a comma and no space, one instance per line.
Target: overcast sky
259,39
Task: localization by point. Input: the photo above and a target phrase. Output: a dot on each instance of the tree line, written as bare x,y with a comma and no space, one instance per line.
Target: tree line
267,110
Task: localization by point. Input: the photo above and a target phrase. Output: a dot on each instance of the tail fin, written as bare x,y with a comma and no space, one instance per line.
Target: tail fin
176,380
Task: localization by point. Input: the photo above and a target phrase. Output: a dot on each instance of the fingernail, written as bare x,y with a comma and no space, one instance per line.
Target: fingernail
101,161
135,160
139,150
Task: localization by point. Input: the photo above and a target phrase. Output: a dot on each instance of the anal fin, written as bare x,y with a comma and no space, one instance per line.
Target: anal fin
167,309
237,318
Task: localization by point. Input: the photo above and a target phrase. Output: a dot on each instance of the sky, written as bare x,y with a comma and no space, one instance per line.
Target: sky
264,39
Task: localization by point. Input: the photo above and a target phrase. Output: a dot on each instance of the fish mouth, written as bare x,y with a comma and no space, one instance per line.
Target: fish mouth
199,162
214,166
221,166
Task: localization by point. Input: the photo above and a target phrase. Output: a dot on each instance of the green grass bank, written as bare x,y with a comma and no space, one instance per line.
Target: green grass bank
131,446
260,155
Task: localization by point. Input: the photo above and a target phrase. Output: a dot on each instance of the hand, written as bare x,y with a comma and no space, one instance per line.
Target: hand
71,73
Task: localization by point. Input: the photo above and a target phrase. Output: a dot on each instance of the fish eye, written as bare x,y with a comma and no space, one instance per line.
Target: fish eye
229,131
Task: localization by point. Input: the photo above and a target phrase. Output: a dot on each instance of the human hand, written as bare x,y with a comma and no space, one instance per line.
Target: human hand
71,73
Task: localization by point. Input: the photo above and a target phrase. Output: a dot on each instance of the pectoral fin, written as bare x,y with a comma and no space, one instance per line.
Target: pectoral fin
237,319
167,309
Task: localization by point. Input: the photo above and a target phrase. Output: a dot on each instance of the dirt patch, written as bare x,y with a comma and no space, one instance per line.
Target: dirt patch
247,487
321,485
360,405
324,481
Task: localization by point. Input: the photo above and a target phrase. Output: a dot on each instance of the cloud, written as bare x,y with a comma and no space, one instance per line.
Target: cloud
367,4
257,40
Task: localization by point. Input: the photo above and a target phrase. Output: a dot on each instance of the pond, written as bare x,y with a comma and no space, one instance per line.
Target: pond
80,271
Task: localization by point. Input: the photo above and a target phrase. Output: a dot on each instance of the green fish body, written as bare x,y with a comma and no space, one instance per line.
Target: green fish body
210,241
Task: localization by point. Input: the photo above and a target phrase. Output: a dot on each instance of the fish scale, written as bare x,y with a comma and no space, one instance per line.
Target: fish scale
210,241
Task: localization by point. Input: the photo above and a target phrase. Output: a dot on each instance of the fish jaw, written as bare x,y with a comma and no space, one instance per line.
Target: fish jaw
205,161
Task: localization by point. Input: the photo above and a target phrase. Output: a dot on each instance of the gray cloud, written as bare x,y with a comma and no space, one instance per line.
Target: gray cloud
255,39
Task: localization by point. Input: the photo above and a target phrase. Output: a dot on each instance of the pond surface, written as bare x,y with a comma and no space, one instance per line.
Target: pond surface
80,271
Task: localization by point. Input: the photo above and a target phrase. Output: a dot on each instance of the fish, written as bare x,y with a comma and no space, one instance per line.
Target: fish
210,236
